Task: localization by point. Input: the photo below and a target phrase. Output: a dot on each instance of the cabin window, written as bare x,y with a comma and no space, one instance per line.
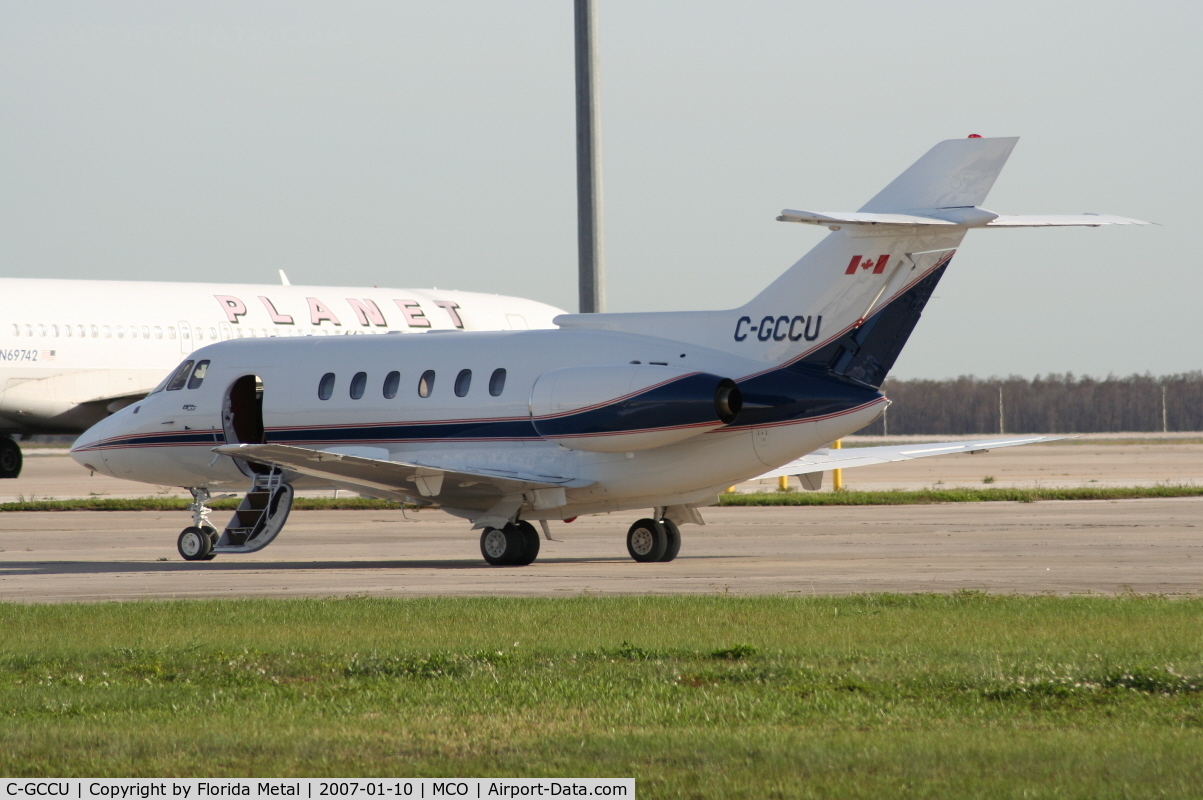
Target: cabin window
463,382
358,384
41,330
326,388
171,332
67,331
54,331
159,332
180,377
198,374
120,330
391,382
29,330
108,332
426,383
145,331
16,329
212,334
497,382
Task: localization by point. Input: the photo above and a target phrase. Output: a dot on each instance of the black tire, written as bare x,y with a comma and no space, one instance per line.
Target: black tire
647,541
530,543
673,534
502,546
193,544
10,458
214,535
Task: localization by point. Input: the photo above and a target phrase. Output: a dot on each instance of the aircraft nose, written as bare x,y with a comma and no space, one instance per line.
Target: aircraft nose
86,450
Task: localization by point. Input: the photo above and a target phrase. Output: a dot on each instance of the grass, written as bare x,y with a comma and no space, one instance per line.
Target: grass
870,696
893,497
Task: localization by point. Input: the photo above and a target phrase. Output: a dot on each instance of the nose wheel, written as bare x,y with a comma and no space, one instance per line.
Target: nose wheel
195,544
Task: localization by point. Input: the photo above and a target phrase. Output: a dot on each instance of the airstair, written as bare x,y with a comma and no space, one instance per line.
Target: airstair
259,517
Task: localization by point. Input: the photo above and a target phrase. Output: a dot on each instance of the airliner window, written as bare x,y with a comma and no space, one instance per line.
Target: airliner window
391,382
497,382
16,329
463,382
426,383
180,377
358,384
198,374
326,388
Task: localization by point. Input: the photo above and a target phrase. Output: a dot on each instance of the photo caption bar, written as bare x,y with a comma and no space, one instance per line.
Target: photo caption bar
359,788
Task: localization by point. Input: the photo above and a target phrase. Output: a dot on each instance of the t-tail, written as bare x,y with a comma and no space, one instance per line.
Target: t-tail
851,303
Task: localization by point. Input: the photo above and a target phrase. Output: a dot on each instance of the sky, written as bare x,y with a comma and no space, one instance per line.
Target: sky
414,144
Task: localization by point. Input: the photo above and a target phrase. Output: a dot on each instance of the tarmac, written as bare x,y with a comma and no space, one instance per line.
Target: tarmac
1057,547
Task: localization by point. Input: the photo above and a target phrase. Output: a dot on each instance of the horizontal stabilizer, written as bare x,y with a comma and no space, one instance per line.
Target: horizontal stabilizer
968,217
823,460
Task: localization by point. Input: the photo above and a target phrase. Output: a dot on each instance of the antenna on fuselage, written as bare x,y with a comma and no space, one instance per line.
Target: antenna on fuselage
284,279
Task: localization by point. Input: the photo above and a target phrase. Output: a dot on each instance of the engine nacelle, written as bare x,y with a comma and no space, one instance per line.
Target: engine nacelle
613,409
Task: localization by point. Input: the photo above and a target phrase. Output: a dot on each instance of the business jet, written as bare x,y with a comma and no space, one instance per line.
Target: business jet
74,351
607,412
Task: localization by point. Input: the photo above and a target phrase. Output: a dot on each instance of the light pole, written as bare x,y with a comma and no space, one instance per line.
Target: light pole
590,253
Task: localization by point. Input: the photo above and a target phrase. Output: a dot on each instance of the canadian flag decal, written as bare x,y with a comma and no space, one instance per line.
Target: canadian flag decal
867,262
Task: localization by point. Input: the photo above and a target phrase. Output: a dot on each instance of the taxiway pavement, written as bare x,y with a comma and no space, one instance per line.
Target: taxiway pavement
1048,547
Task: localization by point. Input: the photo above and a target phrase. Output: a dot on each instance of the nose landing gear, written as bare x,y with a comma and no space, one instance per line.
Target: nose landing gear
259,519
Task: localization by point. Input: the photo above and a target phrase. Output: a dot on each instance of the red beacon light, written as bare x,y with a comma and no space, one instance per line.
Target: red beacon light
975,136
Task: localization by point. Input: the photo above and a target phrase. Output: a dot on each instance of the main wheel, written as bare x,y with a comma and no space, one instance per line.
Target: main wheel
530,543
193,544
647,540
10,458
502,546
673,533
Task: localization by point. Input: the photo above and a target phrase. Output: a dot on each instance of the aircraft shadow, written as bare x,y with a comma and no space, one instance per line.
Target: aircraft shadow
22,568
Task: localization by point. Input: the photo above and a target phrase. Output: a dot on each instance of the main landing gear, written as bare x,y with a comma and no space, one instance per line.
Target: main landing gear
654,540
10,458
517,544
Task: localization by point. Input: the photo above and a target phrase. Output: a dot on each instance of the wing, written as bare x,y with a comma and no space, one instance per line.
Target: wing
825,459
486,496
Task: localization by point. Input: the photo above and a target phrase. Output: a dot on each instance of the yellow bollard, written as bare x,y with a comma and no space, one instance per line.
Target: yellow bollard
783,483
730,490
837,475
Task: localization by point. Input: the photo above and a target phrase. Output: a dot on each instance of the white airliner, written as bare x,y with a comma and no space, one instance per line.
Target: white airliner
606,413
72,352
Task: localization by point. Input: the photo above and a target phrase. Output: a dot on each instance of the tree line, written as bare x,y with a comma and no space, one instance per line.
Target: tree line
1044,404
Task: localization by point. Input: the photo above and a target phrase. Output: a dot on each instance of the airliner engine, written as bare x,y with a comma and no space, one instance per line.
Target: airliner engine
612,409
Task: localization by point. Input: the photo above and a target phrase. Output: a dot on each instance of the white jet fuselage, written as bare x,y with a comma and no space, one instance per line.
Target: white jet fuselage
169,437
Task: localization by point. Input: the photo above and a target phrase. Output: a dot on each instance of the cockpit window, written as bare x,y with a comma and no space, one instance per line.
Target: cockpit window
180,377
198,374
